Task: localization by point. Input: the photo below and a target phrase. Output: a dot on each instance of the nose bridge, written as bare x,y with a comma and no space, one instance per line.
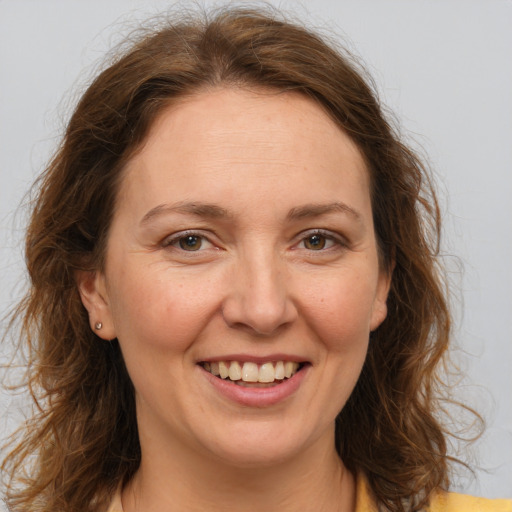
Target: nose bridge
259,297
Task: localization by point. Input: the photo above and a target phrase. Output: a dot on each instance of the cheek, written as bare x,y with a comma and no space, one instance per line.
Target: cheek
338,311
162,310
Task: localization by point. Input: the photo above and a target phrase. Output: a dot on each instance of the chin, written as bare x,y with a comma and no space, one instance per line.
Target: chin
262,445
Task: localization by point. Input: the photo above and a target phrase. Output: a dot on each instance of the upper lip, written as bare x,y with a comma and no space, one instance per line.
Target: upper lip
258,359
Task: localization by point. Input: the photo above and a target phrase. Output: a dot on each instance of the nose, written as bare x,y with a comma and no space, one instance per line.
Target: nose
258,298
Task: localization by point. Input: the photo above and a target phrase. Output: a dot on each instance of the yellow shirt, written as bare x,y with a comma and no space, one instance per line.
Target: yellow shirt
443,502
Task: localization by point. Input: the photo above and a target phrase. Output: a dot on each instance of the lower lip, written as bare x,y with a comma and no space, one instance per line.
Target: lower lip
257,397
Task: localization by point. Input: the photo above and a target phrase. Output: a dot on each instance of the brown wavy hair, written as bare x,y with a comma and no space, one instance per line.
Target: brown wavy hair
83,440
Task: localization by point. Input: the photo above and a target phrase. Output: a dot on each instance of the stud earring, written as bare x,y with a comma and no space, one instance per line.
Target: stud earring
98,326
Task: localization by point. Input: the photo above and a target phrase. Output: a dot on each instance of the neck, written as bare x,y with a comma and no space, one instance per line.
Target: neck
316,479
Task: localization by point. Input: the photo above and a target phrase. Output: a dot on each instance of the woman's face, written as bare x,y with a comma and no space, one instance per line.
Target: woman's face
242,242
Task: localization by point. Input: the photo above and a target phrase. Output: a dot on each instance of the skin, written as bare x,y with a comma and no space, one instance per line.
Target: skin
272,165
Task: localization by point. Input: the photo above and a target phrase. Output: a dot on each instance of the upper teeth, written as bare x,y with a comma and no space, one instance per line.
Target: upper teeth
252,372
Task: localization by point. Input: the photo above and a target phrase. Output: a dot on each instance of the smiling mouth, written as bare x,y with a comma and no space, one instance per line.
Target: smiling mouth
250,374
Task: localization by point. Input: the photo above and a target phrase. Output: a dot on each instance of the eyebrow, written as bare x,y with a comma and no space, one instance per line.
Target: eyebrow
319,209
214,211
193,208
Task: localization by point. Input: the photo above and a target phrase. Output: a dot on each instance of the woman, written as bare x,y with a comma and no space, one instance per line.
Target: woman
235,298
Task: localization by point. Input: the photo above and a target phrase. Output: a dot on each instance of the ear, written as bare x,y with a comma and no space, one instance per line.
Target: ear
93,292
380,308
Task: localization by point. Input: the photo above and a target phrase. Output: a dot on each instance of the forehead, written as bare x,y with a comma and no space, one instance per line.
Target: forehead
225,140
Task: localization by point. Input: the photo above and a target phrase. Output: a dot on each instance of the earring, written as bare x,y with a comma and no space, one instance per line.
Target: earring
98,326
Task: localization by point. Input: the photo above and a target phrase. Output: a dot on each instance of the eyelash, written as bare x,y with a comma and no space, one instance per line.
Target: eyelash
327,236
175,239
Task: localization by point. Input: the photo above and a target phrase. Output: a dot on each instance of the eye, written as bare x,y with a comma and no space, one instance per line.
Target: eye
315,242
190,242
318,241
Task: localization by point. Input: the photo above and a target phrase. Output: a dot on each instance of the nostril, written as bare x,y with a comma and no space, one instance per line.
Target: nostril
259,301
259,321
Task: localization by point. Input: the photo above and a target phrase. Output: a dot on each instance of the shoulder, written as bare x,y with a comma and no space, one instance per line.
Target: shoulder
441,502
453,502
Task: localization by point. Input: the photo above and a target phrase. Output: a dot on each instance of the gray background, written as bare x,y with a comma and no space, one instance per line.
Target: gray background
443,67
